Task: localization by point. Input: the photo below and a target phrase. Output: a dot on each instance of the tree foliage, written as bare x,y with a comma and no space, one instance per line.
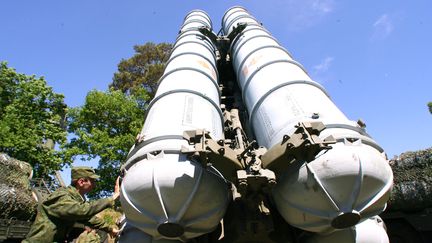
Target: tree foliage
430,107
105,128
31,114
143,69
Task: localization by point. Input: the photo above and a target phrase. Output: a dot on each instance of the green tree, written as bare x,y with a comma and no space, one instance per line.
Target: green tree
105,128
31,116
430,107
143,69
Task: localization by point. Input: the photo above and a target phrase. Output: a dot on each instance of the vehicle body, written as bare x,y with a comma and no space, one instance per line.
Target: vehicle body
241,145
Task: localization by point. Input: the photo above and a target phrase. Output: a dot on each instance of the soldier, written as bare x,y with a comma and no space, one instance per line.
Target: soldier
67,206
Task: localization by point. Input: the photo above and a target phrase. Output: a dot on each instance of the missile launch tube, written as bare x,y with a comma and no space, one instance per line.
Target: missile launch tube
267,73
164,193
371,230
341,187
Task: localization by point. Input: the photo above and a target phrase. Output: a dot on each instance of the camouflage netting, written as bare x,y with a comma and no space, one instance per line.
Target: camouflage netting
16,203
15,172
16,199
412,181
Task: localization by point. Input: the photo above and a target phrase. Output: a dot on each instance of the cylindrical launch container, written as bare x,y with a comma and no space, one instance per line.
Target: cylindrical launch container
371,230
133,235
340,188
164,193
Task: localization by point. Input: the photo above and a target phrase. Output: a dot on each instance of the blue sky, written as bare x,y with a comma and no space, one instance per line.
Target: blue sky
373,57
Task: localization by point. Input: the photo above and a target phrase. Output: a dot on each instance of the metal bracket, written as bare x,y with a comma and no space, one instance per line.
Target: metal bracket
222,43
262,182
210,152
303,145
236,30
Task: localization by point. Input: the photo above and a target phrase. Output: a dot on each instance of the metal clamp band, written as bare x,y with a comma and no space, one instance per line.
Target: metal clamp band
246,85
192,21
152,140
257,49
225,16
196,54
191,69
216,106
196,42
247,15
235,49
263,97
195,13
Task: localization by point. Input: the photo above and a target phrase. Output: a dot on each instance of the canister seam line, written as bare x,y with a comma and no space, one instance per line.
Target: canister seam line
236,50
192,21
254,27
213,81
363,141
216,106
196,42
197,54
152,140
349,127
127,165
257,49
225,16
184,34
248,16
264,96
196,13
248,81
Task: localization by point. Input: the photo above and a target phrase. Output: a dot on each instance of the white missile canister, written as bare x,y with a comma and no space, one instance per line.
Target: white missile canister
131,234
371,230
164,193
341,187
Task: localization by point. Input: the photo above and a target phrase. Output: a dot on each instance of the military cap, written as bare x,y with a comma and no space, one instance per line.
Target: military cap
83,172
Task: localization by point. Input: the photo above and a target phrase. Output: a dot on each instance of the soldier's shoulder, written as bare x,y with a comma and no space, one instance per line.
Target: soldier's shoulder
61,192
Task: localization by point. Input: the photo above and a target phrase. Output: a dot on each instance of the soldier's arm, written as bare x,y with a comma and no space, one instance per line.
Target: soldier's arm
70,209
98,223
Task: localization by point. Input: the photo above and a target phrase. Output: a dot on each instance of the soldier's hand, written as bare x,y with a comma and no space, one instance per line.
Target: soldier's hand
87,229
117,189
114,232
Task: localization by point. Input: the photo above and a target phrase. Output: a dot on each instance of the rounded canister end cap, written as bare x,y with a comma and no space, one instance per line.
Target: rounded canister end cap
170,230
345,220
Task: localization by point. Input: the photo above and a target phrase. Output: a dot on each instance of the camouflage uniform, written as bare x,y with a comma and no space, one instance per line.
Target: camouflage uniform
88,237
61,210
